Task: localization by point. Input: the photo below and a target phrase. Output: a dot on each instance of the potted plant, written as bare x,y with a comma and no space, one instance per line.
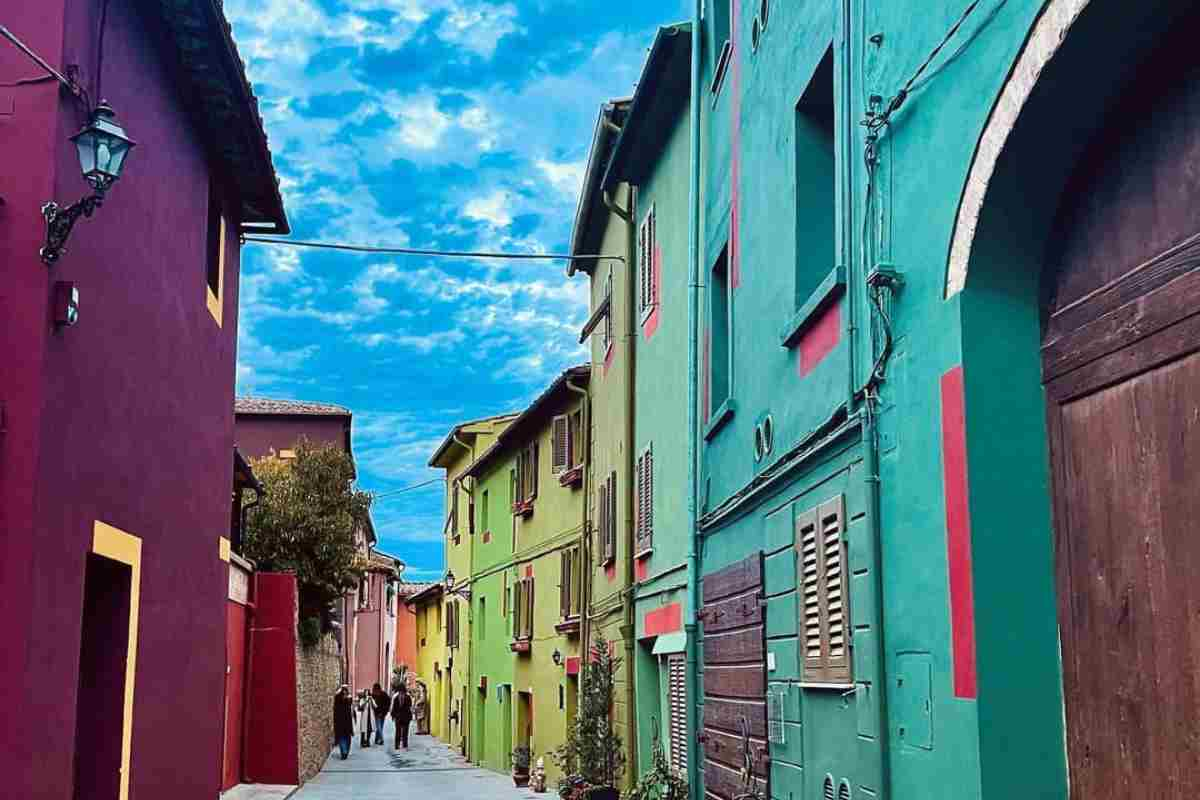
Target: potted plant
520,765
660,782
593,756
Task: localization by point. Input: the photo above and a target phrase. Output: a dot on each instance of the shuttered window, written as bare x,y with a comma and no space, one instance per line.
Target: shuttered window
561,457
644,500
677,722
607,507
527,474
523,609
568,594
575,438
608,325
825,595
647,244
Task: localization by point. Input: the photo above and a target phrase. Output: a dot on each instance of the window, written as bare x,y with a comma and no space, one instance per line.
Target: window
364,597
824,604
720,16
453,520
483,512
567,433
452,619
720,361
647,246
527,474
607,506
677,713
815,178
483,618
569,586
606,342
523,609
215,255
644,500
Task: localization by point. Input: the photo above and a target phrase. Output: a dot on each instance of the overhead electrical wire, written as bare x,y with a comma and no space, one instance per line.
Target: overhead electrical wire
411,251
414,487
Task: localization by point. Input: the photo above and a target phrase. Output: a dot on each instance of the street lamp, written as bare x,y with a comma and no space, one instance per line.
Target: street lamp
102,146
557,657
464,593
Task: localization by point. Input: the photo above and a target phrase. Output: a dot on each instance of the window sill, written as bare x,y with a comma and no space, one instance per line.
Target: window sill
523,509
828,292
644,552
569,626
520,646
647,312
722,415
721,70
833,687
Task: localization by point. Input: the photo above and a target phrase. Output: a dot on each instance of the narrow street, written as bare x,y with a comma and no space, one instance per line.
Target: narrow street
428,769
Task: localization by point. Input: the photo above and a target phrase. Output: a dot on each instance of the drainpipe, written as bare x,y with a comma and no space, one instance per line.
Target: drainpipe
463,716
627,627
693,560
871,458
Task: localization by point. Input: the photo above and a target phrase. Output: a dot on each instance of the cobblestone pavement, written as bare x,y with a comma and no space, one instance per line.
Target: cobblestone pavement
428,770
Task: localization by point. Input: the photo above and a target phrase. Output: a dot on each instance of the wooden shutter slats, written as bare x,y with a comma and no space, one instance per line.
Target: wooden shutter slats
561,444
824,611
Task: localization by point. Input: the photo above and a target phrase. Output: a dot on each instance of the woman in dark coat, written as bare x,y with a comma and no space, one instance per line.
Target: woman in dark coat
383,704
343,720
402,716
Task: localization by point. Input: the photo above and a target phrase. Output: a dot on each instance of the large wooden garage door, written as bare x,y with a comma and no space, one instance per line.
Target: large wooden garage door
1123,391
735,701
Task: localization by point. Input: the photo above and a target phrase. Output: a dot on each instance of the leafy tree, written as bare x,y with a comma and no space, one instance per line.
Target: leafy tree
307,524
593,754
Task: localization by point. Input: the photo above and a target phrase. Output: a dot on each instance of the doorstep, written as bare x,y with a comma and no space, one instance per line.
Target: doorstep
259,791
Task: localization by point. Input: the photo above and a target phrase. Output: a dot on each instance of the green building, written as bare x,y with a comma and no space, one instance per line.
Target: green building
452,678
528,493
642,169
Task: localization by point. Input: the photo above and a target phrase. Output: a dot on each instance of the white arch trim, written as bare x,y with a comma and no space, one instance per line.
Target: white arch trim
1044,41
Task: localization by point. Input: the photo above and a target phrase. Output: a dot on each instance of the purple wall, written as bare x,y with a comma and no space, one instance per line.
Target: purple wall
126,418
258,434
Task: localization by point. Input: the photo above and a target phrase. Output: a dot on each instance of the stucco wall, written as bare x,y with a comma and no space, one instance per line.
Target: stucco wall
126,418
259,434
318,675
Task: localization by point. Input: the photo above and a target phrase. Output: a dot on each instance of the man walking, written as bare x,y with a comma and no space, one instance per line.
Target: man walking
343,720
402,716
383,704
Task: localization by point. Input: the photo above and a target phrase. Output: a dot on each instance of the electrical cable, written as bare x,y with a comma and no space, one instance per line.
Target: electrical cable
100,52
74,88
404,489
410,251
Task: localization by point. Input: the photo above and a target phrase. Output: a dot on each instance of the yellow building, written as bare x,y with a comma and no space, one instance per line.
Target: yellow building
430,662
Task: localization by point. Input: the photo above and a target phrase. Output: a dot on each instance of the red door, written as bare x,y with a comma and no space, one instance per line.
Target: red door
235,690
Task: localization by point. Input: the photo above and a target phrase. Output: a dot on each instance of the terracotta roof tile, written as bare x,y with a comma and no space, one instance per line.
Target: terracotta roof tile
266,405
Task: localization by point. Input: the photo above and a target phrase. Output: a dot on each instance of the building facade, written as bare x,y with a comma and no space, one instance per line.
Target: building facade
429,663
454,455
525,645
96,543
375,610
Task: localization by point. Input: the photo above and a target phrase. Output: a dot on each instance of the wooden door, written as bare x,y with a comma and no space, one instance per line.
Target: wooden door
735,688
1122,376
235,689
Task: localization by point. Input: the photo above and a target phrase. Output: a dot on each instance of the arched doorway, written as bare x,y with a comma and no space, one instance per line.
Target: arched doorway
1088,243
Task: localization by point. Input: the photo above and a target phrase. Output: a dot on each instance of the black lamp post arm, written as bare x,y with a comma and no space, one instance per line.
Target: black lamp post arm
60,221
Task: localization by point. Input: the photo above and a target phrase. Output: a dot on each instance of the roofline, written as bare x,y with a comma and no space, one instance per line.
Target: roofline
513,431
435,589
596,168
449,442
647,94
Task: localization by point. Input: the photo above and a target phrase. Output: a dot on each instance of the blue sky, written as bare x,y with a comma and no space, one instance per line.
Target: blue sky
450,124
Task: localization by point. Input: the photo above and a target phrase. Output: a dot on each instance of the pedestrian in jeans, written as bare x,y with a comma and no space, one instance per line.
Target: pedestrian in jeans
402,716
364,718
343,720
383,704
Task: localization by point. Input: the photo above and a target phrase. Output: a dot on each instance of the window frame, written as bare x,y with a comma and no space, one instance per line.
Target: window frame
216,230
647,245
644,501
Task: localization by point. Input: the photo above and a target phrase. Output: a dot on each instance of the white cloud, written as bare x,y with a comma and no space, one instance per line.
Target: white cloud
422,343
494,209
364,288
565,177
479,28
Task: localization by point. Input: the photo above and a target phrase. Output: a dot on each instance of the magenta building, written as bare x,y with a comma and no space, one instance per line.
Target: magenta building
117,434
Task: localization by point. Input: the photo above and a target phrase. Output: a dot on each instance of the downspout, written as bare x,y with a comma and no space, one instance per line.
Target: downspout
627,626
463,716
693,560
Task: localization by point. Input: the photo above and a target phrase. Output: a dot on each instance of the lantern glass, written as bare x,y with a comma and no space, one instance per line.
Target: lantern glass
102,146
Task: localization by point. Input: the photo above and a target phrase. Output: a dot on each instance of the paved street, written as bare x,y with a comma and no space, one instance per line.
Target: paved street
427,770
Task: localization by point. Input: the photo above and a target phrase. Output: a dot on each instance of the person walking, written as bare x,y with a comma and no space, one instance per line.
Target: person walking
383,704
402,716
343,720
364,719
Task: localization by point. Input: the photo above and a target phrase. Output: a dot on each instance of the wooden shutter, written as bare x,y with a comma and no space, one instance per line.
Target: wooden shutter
677,723
471,514
602,521
564,578
454,508
533,469
609,503
825,595
529,608
643,260
561,453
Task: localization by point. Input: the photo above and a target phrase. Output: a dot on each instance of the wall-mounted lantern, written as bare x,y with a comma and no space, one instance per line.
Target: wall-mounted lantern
557,657
102,145
66,304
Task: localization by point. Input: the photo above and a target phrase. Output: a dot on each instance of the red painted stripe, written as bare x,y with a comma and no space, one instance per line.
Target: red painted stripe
820,339
529,570
958,534
610,571
667,619
608,357
642,568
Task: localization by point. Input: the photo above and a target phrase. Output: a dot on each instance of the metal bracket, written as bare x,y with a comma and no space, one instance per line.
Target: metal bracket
60,221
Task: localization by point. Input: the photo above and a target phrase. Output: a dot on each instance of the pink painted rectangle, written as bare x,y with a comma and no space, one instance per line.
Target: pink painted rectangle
958,534
667,619
820,339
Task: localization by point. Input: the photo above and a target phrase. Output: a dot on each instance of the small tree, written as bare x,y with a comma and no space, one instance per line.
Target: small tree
307,523
593,754
661,781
